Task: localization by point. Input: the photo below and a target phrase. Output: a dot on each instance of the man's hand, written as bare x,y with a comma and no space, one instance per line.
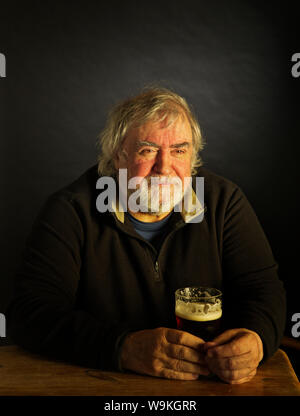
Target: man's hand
164,352
234,355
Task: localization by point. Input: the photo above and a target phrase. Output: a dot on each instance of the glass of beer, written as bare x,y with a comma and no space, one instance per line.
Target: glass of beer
198,310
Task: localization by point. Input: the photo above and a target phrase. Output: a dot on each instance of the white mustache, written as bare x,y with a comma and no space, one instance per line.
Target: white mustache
163,180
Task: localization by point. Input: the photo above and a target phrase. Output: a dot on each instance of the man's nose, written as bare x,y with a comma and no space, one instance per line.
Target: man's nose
163,162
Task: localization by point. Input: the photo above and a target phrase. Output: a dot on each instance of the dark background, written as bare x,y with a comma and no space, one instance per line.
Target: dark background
67,63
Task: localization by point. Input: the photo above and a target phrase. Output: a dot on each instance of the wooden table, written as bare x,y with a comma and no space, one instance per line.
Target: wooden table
26,374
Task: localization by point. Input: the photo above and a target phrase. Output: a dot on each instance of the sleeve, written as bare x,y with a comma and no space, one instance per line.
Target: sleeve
43,316
254,296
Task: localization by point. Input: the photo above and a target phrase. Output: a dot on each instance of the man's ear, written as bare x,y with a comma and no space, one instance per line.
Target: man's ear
119,158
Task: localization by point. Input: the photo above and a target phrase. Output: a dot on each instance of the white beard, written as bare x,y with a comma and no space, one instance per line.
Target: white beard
158,195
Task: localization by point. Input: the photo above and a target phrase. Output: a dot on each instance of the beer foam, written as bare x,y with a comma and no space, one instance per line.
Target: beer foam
198,311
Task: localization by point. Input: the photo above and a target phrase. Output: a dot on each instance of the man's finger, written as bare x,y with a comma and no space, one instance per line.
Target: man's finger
226,336
241,380
182,366
234,376
181,352
245,379
240,345
171,374
175,336
233,363
221,339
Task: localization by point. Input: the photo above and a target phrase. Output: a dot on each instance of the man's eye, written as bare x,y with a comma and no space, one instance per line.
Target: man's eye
146,151
179,151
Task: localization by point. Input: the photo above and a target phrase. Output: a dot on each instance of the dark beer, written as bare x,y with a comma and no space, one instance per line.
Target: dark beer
198,310
205,329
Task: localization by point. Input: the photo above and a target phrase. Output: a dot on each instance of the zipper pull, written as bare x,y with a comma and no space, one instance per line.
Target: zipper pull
156,267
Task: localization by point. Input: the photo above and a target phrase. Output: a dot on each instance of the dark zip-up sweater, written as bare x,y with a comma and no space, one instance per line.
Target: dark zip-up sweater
87,278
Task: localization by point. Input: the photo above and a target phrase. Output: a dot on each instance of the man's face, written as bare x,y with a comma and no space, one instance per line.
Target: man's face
156,150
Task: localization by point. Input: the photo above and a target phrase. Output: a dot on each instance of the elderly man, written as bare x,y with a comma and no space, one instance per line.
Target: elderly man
97,285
